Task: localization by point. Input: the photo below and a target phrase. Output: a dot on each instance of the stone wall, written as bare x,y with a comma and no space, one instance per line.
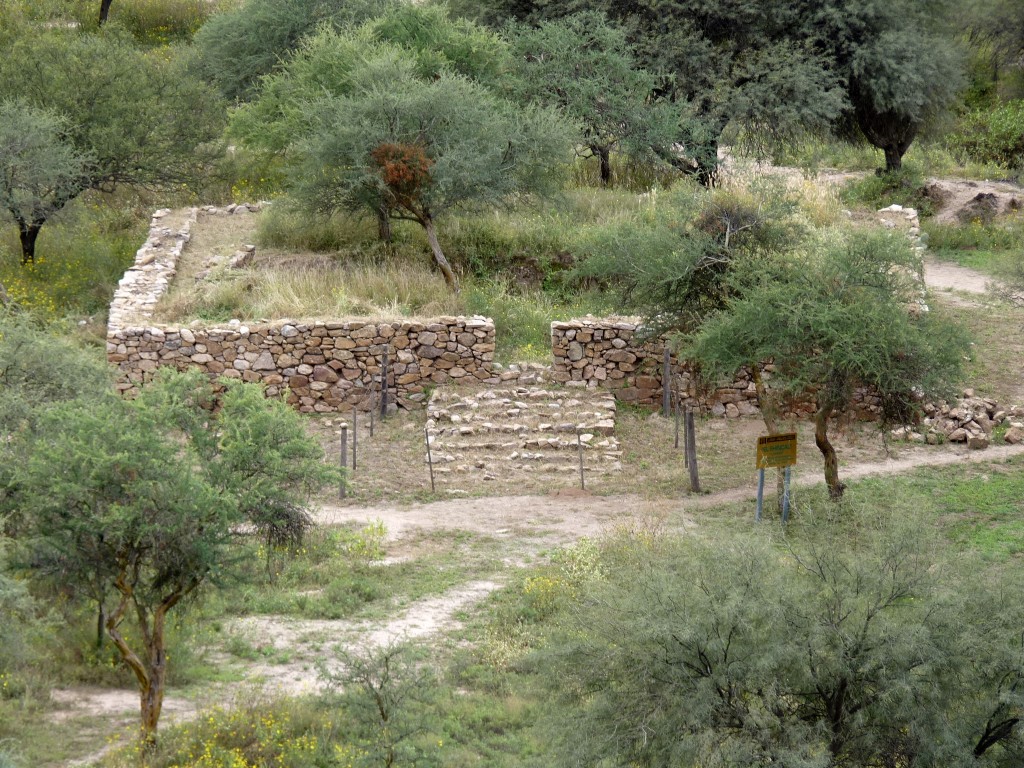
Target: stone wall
612,353
319,366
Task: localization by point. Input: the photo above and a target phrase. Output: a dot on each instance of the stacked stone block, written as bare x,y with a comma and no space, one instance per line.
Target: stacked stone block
318,366
614,354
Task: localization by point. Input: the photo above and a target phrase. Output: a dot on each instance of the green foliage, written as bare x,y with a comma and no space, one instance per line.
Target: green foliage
240,46
128,117
522,317
291,734
841,315
40,169
30,352
388,694
441,42
994,136
837,646
672,263
585,67
135,504
904,187
160,22
745,62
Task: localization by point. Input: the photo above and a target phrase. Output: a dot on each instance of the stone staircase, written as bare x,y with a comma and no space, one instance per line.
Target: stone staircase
503,433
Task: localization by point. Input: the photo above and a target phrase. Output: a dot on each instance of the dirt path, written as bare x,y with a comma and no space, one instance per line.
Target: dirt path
524,525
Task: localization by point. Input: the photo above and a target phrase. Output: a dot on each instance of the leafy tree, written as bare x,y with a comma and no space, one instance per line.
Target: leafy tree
745,62
586,67
899,65
40,169
126,117
832,321
240,46
121,496
994,33
414,149
853,648
30,353
325,65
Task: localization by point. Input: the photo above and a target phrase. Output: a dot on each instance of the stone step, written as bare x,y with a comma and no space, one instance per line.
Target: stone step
491,433
589,440
541,429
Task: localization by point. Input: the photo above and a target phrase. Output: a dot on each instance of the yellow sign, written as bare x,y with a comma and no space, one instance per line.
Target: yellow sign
776,451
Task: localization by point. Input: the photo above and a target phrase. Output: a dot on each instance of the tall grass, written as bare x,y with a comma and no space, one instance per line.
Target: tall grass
995,248
80,256
927,158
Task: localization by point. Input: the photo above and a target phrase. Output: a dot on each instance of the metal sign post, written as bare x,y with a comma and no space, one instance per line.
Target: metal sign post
775,451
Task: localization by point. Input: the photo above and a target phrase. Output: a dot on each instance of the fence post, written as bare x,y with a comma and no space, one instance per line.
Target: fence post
666,387
691,451
384,387
355,434
430,459
344,459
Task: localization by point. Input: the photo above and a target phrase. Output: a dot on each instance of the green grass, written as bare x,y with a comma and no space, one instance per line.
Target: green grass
924,157
513,263
995,248
337,574
80,256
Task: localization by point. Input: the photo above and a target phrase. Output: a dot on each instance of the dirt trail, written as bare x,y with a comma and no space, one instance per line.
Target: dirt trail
529,525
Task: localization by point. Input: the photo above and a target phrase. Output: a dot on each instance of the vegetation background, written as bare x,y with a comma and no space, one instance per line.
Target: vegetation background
883,629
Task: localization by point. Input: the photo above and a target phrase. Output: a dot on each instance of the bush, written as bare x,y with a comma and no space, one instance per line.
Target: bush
161,22
905,187
843,645
992,136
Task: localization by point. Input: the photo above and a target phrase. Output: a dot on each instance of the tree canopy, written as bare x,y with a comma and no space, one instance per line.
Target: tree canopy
840,315
239,46
107,114
874,70
381,138
137,504
586,67
825,650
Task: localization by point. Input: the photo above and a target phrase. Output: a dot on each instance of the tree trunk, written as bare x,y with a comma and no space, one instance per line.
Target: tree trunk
5,300
893,159
101,625
449,277
384,224
604,156
29,233
835,488
104,10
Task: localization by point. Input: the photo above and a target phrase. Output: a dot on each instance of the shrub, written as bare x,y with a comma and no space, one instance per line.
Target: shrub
905,187
993,136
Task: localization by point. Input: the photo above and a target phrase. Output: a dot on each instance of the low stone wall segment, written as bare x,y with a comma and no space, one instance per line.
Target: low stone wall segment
319,366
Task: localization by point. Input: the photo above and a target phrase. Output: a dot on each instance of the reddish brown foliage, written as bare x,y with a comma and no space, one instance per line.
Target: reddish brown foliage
405,169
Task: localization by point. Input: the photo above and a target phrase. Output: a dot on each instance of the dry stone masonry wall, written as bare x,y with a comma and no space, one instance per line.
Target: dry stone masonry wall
319,366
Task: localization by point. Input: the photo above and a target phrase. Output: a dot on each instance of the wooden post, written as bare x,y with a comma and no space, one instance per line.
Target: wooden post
677,426
430,459
373,411
355,435
344,459
384,387
691,451
666,386
579,447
